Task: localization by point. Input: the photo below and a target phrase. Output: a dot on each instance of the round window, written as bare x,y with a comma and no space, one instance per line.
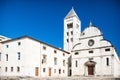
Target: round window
91,42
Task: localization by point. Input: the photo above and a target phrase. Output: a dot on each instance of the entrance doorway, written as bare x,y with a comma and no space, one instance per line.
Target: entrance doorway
90,70
90,67
49,72
36,71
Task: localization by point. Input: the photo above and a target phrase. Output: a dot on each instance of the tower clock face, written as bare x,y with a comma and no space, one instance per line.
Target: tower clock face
91,42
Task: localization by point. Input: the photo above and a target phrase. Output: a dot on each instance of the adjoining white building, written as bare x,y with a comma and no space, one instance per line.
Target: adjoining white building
26,56
91,54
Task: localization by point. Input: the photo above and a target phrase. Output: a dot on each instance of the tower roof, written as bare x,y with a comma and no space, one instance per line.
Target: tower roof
72,13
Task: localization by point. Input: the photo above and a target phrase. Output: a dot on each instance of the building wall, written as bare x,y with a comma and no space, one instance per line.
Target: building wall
68,45
31,56
58,69
101,53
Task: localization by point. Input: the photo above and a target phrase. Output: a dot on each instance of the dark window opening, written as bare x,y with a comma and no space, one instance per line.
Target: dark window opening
11,69
44,47
71,39
90,51
67,40
0,56
76,53
71,32
18,69
76,63
70,25
18,55
6,69
55,51
6,57
19,43
107,61
59,71
43,69
7,46
67,33
108,49
83,33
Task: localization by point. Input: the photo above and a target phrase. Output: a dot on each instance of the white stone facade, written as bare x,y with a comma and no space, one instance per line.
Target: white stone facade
91,54
94,55
26,56
72,26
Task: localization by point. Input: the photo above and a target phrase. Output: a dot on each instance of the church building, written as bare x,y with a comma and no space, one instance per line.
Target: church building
91,53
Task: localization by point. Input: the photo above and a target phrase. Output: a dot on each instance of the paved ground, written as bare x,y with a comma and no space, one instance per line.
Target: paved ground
68,78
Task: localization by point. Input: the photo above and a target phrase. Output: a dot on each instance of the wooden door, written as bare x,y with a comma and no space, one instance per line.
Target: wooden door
49,72
36,71
90,70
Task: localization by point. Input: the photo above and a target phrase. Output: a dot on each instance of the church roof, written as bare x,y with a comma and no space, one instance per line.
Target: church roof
71,14
91,31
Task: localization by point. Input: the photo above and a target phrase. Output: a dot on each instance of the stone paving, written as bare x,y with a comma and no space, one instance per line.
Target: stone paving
66,78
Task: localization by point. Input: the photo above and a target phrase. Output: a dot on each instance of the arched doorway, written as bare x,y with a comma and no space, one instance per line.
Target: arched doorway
90,67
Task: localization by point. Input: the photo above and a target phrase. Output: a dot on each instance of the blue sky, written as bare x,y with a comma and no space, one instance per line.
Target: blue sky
43,19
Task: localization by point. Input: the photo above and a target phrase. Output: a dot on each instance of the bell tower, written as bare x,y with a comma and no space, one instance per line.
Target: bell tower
72,29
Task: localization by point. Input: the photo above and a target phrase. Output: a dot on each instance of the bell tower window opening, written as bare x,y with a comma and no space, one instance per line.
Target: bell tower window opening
70,25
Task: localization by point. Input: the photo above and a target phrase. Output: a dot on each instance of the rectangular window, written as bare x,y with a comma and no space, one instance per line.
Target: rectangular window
6,69
55,61
71,32
0,56
77,25
107,61
63,71
19,43
18,55
43,69
70,25
54,70
71,39
44,48
76,53
63,62
18,69
67,40
44,60
59,71
108,49
11,69
6,57
76,63
63,54
55,51
7,46
90,51
67,33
